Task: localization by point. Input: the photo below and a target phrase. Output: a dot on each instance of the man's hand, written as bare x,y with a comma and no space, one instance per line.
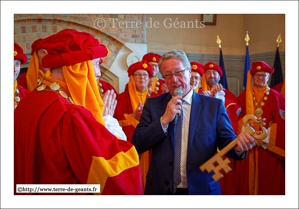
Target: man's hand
138,112
258,142
173,108
150,84
207,93
244,142
217,88
164,88
109,103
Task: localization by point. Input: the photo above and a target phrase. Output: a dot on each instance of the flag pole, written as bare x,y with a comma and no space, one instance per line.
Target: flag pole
223,80
247,61
277,76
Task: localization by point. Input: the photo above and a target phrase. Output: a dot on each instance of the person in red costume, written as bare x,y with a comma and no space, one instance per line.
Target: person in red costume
210,83
263,171
155,85
211,87
196,74
64,139
35,70
130,105
19,58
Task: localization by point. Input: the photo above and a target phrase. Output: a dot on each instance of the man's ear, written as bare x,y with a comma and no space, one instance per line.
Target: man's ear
45,51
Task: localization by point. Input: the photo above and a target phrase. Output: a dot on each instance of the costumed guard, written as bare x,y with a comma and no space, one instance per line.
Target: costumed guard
263,171
19,59
63,139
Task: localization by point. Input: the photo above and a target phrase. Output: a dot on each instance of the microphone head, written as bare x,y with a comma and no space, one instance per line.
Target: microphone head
178,92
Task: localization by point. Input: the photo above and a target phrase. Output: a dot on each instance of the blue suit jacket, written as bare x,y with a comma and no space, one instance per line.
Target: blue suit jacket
209,128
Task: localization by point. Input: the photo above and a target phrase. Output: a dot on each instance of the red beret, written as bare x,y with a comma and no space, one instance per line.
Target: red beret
69,47
197,67
19,55
261,66
151,57
142,65
213,66
36,46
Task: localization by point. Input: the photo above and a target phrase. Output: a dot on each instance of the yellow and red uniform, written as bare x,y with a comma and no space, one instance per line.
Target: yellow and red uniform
263,171
19,91
63,139
66,145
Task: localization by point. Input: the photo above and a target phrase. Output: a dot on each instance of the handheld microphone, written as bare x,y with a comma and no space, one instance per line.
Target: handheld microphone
177,92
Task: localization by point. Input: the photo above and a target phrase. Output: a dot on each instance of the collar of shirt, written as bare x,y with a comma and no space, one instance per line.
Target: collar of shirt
188,97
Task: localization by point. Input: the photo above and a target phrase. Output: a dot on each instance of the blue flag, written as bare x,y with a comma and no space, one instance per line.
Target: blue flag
277,74
223,80
246,68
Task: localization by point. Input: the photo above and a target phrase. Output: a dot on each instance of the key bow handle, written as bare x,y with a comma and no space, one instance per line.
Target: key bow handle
250,130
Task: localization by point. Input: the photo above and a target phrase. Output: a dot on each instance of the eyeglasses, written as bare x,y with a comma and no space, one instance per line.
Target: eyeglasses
195,77
260,75
177,74
138,75
208,73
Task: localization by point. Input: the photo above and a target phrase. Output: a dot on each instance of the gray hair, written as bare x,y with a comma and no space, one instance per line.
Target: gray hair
175,54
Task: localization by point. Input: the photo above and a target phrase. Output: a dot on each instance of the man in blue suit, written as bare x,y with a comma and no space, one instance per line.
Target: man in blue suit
184,135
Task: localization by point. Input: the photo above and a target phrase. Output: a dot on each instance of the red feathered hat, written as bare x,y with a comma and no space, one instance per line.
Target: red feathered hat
19,55
197,67
142,65
261,66
213,66
151,57
69,47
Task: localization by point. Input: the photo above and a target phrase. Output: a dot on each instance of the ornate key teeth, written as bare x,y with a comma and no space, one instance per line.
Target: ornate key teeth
216,163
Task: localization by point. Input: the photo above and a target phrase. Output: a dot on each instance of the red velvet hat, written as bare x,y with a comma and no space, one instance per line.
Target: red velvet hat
69,47
142,65
261,66
197,67
213,66
151,57
19,55
35,46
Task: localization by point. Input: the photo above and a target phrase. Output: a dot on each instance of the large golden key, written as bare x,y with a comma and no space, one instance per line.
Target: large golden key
223,164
